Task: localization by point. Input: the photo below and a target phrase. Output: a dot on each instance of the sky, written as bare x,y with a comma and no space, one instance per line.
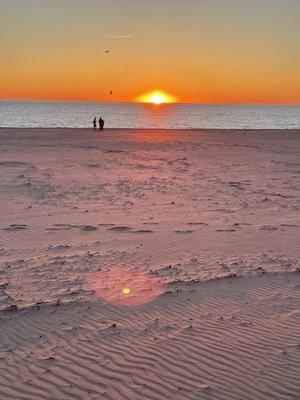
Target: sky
206,51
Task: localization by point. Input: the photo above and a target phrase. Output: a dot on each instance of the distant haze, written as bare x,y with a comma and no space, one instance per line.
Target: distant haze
208,51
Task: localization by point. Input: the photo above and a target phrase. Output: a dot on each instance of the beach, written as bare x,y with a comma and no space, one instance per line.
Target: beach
149,264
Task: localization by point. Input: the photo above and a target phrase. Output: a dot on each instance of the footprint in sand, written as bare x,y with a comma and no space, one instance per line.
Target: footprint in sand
268,228
124,229
115,151
186,232
15,227
88,228
224,210
127,206
60,247
197,223
3,252
105,225
93,165
120,229
60,227
226,230
14,164
142,231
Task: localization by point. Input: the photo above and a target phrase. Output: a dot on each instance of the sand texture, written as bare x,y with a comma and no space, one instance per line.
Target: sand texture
149,264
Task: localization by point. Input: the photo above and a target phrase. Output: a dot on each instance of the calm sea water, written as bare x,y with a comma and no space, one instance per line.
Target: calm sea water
132,115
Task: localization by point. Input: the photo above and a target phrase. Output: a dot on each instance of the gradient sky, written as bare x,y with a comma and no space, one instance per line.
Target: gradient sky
208,51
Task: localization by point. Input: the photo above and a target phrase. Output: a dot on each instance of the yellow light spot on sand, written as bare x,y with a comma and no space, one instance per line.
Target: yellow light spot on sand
156,97
126,291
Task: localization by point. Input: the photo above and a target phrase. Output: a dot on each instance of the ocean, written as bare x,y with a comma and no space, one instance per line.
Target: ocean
136,115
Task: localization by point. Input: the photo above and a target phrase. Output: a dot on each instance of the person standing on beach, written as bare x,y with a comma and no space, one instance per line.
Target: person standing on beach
94,124
101,124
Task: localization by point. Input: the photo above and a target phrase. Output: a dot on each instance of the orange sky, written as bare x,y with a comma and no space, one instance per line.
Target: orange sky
234,51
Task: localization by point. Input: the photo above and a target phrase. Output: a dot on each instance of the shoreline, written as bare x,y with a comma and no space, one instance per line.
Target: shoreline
233,130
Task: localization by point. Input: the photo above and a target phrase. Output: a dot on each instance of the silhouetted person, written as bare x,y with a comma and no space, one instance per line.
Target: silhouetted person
101,124
95,124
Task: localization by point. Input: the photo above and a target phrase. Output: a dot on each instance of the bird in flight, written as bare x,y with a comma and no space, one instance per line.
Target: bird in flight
106,51
111,92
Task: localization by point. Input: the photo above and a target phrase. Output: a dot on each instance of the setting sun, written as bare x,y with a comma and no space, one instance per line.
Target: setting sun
156,97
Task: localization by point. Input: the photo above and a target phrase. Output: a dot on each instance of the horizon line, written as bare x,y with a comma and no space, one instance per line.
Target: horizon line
9,100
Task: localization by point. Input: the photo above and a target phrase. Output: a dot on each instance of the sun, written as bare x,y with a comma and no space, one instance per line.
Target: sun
156,97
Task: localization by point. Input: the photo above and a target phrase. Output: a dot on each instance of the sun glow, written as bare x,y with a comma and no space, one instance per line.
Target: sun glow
156,97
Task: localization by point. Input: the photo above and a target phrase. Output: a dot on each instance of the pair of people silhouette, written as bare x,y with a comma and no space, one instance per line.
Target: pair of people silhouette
101,124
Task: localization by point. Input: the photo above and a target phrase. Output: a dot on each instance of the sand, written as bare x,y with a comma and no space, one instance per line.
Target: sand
138,264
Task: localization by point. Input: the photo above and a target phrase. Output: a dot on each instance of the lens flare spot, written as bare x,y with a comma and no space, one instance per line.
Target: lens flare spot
125,286
126,291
